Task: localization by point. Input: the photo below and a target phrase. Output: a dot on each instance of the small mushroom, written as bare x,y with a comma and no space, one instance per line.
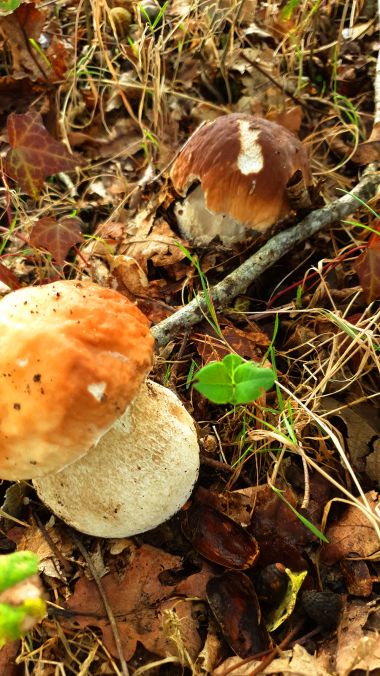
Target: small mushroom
73,361
242,165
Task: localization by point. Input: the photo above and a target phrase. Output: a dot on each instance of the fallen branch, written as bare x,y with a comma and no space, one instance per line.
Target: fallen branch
240,279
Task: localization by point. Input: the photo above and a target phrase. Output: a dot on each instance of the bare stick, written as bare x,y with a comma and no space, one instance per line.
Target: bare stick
240,279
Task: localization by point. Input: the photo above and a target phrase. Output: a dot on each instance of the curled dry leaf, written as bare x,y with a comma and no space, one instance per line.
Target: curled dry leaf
232,599
34,153
8,656
150,240
129,275
362,433
218,538
248,344
8,277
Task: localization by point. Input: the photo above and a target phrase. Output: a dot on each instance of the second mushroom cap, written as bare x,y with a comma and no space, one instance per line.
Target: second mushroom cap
243,164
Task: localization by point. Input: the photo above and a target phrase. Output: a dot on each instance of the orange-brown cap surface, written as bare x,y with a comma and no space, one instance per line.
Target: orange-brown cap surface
243,164
72,357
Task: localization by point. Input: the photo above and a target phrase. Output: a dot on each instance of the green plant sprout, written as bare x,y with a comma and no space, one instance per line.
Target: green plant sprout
21,605
40,51
233,380
153,24
194,260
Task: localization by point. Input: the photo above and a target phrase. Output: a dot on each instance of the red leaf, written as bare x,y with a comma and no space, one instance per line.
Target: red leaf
57,237
367,267
35,153
8,277
31,20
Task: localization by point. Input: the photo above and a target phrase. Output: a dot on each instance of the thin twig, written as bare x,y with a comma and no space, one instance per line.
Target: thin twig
107,607
240,279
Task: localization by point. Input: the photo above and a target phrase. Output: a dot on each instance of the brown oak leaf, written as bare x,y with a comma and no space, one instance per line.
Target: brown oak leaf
142,602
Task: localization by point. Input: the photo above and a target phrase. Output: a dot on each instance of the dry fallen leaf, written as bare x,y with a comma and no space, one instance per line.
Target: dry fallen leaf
34,540
34,153
140,603
152,240
296,662
357,647
367,266
56,236
362,433
352,533
129,275
18,29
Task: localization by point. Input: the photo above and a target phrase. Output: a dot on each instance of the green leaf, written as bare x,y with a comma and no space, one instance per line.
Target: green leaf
9,6
251,381
286,606
231,362
233,381
16,620
17,567
21,605
214,382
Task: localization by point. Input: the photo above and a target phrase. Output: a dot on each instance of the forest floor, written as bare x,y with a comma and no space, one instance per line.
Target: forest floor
121,86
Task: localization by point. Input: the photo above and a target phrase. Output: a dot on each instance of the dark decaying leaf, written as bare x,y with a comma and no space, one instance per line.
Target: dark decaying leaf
57,237
218,538
359,581
8,277
233,601
35,154
367,267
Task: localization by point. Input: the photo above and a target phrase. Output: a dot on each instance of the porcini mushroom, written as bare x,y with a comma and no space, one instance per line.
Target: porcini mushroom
74,357
242,165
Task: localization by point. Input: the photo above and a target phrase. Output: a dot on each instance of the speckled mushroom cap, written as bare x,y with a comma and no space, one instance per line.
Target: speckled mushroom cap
72,357
243,164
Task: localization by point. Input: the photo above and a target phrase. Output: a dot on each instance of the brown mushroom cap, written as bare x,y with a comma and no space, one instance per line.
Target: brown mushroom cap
72,358
243,164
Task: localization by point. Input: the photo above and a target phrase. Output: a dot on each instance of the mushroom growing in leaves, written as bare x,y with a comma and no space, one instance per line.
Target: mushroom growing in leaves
241,165
111,455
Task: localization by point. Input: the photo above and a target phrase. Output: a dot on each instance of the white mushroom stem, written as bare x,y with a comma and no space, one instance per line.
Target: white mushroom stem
200,225
139,474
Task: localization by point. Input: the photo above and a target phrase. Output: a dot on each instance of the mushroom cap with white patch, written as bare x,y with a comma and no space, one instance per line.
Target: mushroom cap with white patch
72,358
141,472
243,164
